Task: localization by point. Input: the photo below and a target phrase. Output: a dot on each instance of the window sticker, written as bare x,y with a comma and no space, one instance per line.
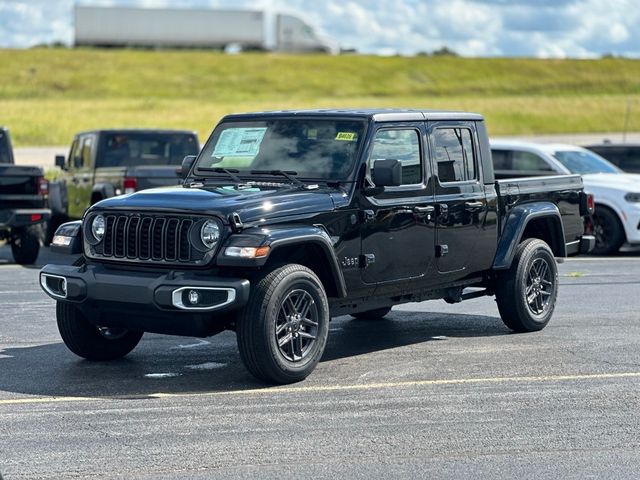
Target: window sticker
347,136
312,134
239,142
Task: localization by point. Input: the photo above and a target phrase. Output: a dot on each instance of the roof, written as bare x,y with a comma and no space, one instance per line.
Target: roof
137,130
533,146
375,114
614,145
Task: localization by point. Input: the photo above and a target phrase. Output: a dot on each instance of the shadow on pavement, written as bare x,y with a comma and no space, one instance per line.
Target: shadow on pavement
187,365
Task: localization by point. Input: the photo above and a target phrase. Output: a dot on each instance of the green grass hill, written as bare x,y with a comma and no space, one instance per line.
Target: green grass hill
48,94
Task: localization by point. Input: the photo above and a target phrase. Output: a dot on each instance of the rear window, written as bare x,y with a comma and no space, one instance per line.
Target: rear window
140,149
5,154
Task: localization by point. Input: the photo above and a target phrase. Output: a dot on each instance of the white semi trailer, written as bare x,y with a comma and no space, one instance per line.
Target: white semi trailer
195,28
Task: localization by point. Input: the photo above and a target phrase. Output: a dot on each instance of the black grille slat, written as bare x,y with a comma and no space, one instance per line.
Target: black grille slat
171,237
154,238
157,240
145,238
131,237
184,246
119,236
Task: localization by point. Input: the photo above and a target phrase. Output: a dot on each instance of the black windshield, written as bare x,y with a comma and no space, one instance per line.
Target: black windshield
322,149
138,149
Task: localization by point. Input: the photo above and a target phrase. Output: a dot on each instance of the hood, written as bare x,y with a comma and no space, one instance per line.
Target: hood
251,204
629,182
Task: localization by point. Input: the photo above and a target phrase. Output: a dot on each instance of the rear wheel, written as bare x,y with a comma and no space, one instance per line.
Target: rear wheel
527,292
376,314
608,231
91,342
282,332
25,245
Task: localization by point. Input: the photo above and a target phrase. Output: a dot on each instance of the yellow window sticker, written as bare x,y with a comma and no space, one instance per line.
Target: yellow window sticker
347,136
312,134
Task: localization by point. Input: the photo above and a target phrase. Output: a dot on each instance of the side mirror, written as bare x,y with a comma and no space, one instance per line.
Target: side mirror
387,173
187,163
60,160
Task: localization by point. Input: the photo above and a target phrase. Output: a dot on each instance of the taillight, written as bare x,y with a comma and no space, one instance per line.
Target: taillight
130,184
43,186
591,203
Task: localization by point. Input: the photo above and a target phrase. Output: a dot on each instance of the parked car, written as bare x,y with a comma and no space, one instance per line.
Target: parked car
287,219
625,156
616,219
106,163
23,204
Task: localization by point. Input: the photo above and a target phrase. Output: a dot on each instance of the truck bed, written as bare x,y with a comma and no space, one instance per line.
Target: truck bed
19,187
562,190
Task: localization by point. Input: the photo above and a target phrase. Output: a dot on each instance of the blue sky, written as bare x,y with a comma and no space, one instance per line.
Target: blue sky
542,28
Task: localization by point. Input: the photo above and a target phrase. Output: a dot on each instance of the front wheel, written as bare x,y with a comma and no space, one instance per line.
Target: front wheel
282,332
91,342
527,292
608,231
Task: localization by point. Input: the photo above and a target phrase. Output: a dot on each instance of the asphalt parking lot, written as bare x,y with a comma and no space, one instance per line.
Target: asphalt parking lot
433,390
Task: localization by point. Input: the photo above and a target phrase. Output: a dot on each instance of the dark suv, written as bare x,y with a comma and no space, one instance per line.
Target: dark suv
626,156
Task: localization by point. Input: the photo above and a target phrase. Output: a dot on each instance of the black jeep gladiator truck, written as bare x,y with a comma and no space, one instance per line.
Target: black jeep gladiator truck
105,163
286,219
23,204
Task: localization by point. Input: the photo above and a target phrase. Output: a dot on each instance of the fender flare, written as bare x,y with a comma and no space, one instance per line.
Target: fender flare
106,190
281,237
515,225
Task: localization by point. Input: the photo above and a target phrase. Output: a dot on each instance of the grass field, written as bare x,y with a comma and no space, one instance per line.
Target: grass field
46,95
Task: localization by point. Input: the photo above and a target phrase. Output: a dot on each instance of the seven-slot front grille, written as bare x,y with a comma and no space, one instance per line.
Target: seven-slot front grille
148,237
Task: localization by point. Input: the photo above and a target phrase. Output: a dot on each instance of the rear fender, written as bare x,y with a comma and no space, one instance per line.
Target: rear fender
516,224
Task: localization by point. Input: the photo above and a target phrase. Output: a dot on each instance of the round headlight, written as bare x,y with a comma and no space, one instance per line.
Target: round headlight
98,226
210,233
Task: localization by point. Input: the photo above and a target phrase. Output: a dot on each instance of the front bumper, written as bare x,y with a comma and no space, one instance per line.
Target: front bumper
151,301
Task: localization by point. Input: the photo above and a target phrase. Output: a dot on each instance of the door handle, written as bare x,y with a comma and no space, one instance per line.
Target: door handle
429,209
473,205
75,180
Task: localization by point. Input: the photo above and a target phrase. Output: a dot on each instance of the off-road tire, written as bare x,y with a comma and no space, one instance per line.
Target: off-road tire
25,245
533,270
608,230
257,323
376,314
85,340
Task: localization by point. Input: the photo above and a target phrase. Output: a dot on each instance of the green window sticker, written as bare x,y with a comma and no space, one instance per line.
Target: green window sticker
347,136
239,142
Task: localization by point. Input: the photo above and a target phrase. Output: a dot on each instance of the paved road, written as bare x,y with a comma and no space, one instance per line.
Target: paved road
433,391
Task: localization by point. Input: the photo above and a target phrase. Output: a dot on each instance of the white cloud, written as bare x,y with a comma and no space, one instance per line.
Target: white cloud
546,28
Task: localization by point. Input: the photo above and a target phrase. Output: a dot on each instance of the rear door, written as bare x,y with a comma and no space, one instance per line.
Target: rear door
397,233
461,205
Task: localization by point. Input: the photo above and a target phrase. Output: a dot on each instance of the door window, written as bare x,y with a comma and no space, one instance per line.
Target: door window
455,155
402,145
529,162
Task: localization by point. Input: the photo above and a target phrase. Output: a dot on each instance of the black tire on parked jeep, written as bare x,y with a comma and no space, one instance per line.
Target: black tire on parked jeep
91,342
376,314
282,331
526,293
25,245
608,231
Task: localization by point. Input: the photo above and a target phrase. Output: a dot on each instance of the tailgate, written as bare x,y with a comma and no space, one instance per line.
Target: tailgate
19,187
155,176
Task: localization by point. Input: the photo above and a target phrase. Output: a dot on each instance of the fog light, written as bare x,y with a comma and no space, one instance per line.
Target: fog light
194,297
63,286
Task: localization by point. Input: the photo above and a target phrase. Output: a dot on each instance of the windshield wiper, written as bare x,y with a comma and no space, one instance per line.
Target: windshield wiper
230,172
288,174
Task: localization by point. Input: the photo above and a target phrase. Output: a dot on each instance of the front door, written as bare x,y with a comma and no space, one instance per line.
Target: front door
397,232
80,178
461,204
